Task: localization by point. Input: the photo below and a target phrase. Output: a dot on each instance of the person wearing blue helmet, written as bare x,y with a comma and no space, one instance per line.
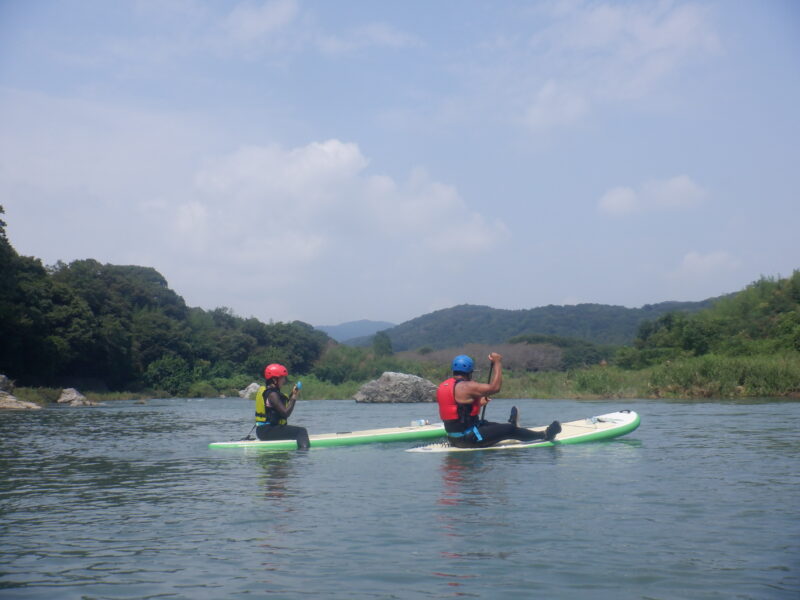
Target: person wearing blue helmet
460,401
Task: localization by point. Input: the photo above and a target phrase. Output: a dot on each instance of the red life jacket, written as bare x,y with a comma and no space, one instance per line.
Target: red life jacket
448,407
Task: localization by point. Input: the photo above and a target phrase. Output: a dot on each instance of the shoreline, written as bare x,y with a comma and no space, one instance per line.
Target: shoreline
34,395
706,377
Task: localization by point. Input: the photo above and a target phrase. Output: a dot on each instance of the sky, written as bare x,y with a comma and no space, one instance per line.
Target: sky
336,161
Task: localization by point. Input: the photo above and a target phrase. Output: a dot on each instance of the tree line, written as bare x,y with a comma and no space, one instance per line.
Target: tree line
122,328
761,320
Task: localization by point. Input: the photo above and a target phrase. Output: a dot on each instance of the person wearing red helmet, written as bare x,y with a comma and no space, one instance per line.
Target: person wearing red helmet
273,409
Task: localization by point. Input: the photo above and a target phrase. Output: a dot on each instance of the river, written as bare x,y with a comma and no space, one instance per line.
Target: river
127,501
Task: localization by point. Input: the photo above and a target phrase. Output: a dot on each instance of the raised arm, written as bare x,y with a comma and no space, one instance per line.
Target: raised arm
468,391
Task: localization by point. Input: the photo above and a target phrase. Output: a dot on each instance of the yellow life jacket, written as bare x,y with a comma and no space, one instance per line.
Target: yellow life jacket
265,414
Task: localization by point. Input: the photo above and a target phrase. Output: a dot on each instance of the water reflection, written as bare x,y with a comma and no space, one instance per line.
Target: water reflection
278,525
461,479
464,495
277,470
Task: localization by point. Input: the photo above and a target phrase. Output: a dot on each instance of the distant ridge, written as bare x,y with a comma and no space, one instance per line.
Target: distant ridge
354,329
467,323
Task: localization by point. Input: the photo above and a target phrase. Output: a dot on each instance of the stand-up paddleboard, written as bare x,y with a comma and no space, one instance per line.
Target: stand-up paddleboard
592,429
345,438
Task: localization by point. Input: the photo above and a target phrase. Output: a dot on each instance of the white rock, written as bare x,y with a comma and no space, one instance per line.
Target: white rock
249,391
397,387
9,402
73,397
70,395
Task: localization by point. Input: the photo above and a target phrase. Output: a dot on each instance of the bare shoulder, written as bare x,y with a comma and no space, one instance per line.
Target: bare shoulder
471,389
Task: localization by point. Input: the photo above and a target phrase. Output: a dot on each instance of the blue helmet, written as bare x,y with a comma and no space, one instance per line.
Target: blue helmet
463,364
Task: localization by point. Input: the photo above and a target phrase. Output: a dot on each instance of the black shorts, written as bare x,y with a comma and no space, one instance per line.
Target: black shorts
284,432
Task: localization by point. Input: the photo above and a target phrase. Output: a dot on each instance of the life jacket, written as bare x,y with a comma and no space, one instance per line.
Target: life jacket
266,414
450,410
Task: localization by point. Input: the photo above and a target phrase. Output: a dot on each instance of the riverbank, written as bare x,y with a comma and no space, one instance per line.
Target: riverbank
700,377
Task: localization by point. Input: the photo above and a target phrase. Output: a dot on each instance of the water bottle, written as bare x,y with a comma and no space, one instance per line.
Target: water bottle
419,422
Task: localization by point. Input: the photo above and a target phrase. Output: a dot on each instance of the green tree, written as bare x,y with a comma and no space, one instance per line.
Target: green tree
382,344
169,373
125,326
764,318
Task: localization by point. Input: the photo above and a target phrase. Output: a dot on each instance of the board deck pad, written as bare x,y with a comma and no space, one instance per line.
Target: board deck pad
345,438
590,429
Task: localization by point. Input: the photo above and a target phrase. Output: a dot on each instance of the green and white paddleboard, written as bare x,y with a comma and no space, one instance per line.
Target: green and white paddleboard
591,429
345,438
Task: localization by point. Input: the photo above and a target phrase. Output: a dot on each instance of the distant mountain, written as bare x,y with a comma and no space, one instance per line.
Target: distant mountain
354,329
466,323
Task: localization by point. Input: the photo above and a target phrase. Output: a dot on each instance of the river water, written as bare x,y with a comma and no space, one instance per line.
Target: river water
127,501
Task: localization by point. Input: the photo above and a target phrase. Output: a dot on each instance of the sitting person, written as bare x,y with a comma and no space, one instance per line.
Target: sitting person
273,409
460,400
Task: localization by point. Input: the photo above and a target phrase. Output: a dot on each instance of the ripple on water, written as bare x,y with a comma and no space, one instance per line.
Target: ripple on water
127,501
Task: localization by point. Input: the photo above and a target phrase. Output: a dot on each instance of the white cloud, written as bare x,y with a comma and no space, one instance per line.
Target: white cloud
322,189
619,201
555,106
272,173
248,22
703,275
609,53
676,193
316,214
699,266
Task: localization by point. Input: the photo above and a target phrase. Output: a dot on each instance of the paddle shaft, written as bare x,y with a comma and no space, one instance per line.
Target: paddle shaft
247,437
488,380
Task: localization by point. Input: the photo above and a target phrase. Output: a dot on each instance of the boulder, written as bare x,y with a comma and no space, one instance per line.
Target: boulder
249,391
5,384
9,402
73,397
69,395
397,387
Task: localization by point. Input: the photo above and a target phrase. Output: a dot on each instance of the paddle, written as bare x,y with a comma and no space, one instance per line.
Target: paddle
488,380
247,437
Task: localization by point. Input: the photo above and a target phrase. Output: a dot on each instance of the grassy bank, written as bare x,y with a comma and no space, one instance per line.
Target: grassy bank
707,376
713,376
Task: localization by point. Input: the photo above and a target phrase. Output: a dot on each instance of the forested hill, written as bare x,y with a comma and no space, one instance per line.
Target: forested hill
123,328
464,324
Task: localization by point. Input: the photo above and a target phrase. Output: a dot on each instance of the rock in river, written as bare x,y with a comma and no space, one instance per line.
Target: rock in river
9,402
250,391
397,387
73,397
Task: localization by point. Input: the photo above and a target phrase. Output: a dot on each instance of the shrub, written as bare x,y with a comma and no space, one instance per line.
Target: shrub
727,376
202,389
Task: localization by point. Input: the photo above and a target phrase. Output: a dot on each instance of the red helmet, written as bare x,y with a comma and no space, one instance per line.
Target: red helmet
275,370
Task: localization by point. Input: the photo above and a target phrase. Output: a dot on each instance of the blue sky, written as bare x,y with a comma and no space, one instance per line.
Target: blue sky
333,161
